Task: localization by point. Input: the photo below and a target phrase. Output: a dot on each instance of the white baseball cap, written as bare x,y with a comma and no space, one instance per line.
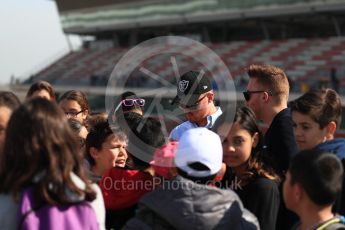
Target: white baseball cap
199,145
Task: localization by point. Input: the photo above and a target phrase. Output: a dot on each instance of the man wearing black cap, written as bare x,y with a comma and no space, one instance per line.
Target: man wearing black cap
196,98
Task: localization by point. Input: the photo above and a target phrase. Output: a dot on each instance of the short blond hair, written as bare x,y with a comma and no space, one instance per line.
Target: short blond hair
271,77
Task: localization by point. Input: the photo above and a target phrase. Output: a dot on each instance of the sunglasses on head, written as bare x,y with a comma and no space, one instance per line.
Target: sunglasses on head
247,94
131,102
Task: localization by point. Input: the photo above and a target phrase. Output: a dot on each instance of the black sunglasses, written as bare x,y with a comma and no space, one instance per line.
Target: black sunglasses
192,107
248,93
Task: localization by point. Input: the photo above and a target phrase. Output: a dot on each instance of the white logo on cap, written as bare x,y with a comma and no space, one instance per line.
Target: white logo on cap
182,85
205,86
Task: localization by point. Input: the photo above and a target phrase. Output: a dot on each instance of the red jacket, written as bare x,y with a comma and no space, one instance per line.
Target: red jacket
123,188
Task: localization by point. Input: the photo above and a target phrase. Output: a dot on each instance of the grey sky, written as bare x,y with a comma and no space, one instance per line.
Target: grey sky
30,37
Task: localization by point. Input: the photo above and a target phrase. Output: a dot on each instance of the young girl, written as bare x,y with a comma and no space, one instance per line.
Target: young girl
75,105
105,149
316,116
246,174
40,160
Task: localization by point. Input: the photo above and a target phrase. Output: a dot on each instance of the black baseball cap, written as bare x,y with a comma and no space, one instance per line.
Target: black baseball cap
190,86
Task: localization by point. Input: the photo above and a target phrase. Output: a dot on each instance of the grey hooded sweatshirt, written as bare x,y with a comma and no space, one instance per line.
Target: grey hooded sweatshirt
183,204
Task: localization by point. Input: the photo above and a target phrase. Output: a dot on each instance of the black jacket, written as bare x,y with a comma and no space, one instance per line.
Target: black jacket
279,142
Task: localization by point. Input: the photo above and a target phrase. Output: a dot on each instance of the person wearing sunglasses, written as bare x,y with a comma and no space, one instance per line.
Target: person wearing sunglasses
129,105
195,98
130,102
267,95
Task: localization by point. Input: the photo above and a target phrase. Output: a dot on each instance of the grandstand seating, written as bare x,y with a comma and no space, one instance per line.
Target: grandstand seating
141,14
305,60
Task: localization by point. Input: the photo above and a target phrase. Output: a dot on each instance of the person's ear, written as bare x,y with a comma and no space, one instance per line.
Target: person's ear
255,139
299,192
85,113
265,96
210,96
221,173
94,152
331,128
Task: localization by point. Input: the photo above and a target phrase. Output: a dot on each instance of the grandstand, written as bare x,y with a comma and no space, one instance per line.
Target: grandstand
304,60
303,37
306,38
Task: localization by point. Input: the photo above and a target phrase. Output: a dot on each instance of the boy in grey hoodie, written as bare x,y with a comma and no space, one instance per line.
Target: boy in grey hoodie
189,201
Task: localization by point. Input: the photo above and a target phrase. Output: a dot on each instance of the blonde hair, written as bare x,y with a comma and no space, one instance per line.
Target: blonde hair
273,78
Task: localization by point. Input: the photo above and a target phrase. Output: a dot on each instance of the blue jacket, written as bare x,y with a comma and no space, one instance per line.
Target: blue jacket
336,146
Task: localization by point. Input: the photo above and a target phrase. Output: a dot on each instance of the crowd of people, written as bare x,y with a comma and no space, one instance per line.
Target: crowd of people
276,164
